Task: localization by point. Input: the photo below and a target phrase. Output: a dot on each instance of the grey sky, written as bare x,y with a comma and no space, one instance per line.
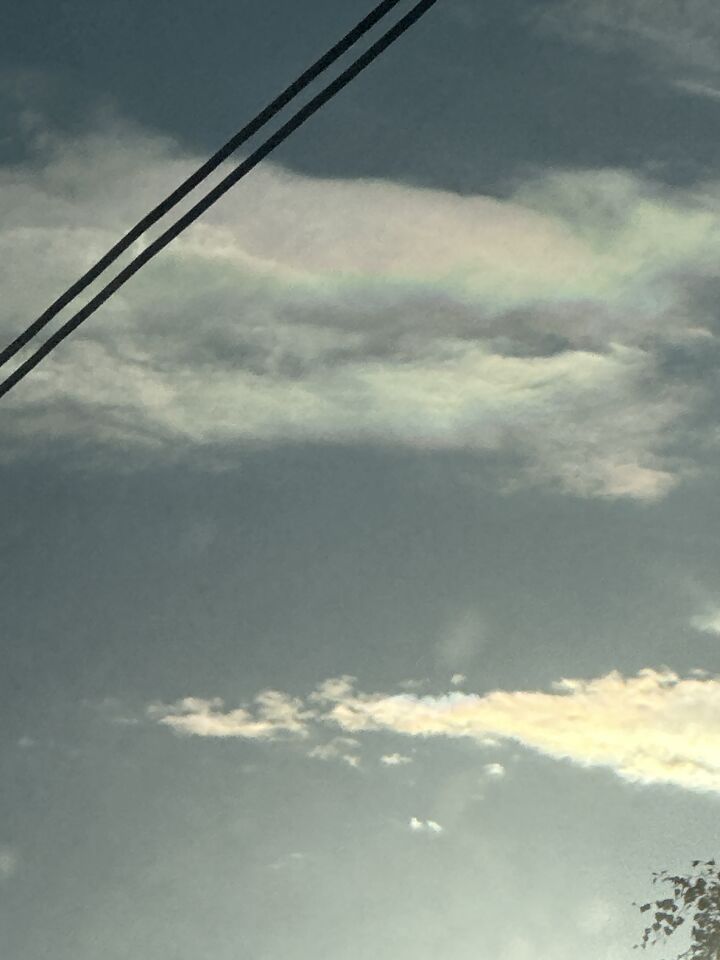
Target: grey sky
428,402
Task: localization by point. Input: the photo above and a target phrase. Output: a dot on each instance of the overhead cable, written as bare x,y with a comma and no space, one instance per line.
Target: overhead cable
204,171
152,250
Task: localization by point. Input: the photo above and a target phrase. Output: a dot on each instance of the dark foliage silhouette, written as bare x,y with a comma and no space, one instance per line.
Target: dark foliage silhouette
693,903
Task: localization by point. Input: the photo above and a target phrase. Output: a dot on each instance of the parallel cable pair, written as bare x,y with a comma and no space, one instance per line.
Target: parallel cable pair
297,120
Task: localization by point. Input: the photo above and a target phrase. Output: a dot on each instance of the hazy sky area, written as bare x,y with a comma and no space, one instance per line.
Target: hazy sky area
361,558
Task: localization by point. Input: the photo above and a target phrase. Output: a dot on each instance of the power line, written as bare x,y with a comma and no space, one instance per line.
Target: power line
306,78
297,120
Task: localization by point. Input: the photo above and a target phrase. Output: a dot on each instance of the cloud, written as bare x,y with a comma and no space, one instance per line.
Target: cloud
412,684
458,679
494,770
708,622
9,863
424,826
276,715
526,330
340,748
699,89
675,35
395,760
652,728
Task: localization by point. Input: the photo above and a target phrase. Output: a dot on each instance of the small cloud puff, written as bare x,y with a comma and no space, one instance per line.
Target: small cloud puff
395,760
496,770
458,679
424,826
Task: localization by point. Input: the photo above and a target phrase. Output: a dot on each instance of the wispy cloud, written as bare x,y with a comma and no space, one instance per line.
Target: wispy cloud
340,748
9,862
460,640
653,728
699,89
294,859
707,622
302,310
677,36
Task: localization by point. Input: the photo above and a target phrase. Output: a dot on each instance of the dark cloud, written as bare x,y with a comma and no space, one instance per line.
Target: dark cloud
456,105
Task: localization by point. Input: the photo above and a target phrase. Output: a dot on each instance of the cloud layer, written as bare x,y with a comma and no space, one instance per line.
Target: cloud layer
653,728
529,329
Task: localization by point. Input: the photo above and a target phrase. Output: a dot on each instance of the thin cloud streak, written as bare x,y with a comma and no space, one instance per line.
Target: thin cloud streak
675,36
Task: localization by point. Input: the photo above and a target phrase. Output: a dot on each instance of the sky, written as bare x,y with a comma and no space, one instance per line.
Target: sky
359,579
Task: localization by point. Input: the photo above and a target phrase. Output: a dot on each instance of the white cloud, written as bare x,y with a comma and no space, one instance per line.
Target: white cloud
395,760
458,679
653,728
424,826
334,689
305,310
708,622
494,770
276,715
